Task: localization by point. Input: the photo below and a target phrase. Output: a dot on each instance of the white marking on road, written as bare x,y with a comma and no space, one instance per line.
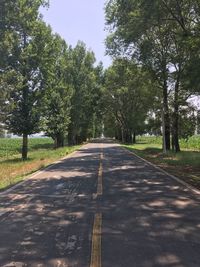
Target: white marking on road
37,173
189,187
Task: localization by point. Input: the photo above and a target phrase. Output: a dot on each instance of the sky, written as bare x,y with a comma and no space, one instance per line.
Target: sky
78,20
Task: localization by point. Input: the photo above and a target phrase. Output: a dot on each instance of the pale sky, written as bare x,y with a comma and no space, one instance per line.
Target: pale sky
80,20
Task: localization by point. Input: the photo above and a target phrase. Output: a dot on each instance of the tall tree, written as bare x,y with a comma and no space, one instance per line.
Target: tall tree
159,34
83,84
57,103
24,37
128,95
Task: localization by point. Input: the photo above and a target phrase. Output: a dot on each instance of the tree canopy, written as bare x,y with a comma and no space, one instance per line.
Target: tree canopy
48,86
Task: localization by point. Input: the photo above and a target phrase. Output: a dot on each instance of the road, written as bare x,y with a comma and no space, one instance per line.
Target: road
104,207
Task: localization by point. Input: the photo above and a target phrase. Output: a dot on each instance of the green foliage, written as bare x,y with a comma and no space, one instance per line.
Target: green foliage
27,86
45,84
192,142
22,52
58,91
163,37
129,94
84,82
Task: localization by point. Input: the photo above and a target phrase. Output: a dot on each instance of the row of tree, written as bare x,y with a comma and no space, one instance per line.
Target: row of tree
156,47
45,85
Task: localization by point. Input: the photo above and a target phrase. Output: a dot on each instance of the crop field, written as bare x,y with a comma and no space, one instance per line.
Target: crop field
10,147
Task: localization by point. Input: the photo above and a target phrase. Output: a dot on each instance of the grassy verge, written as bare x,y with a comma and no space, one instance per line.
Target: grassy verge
185,165
13,169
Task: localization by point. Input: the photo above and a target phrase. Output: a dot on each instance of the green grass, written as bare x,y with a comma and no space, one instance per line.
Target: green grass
192,143
12,146
185,164
155,152
41,153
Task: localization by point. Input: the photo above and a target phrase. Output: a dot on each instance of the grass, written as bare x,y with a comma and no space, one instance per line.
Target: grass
41,154
192,143
185,165
10,147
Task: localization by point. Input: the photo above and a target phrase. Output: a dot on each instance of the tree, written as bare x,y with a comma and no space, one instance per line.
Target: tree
135,34
58,92
161,35
128,96
24,44
82,75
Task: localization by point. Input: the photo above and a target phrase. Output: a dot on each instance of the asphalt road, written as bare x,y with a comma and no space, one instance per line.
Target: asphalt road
101,207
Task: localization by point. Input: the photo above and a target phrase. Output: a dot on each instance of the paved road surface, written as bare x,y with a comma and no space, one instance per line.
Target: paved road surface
101,207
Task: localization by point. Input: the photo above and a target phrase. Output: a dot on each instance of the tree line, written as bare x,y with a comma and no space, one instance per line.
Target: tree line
160,40
45,84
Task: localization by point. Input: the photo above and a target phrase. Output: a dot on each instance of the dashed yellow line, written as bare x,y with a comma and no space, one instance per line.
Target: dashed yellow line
100,180
101,156
96,234
96,241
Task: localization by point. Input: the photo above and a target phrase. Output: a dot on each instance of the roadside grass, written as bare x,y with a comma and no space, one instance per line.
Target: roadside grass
185,165
41,154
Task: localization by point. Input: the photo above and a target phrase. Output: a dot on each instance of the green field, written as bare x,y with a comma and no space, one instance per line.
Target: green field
12,146
185,164
41,153
193,143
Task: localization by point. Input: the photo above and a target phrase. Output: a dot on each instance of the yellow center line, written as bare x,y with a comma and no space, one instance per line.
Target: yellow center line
96,241
96,234
100,176
100,181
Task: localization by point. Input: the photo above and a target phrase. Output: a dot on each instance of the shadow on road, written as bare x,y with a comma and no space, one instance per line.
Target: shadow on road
149,220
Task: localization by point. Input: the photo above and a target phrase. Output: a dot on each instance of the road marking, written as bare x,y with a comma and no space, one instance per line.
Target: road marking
100,180
191,188
96,241
39,172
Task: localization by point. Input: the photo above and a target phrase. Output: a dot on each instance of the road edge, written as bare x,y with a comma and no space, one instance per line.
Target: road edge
185,184
38,172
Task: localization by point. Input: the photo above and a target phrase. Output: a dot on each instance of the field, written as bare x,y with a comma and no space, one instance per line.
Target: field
41,154
10,147
185,165
193,143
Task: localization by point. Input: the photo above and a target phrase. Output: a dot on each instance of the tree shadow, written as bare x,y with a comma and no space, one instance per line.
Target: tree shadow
148,218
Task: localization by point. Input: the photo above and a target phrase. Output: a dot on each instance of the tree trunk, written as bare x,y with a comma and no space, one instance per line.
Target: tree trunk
163,131
172,141
71,137
134,137
122,134
166,116
25,147
59,141
176,118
